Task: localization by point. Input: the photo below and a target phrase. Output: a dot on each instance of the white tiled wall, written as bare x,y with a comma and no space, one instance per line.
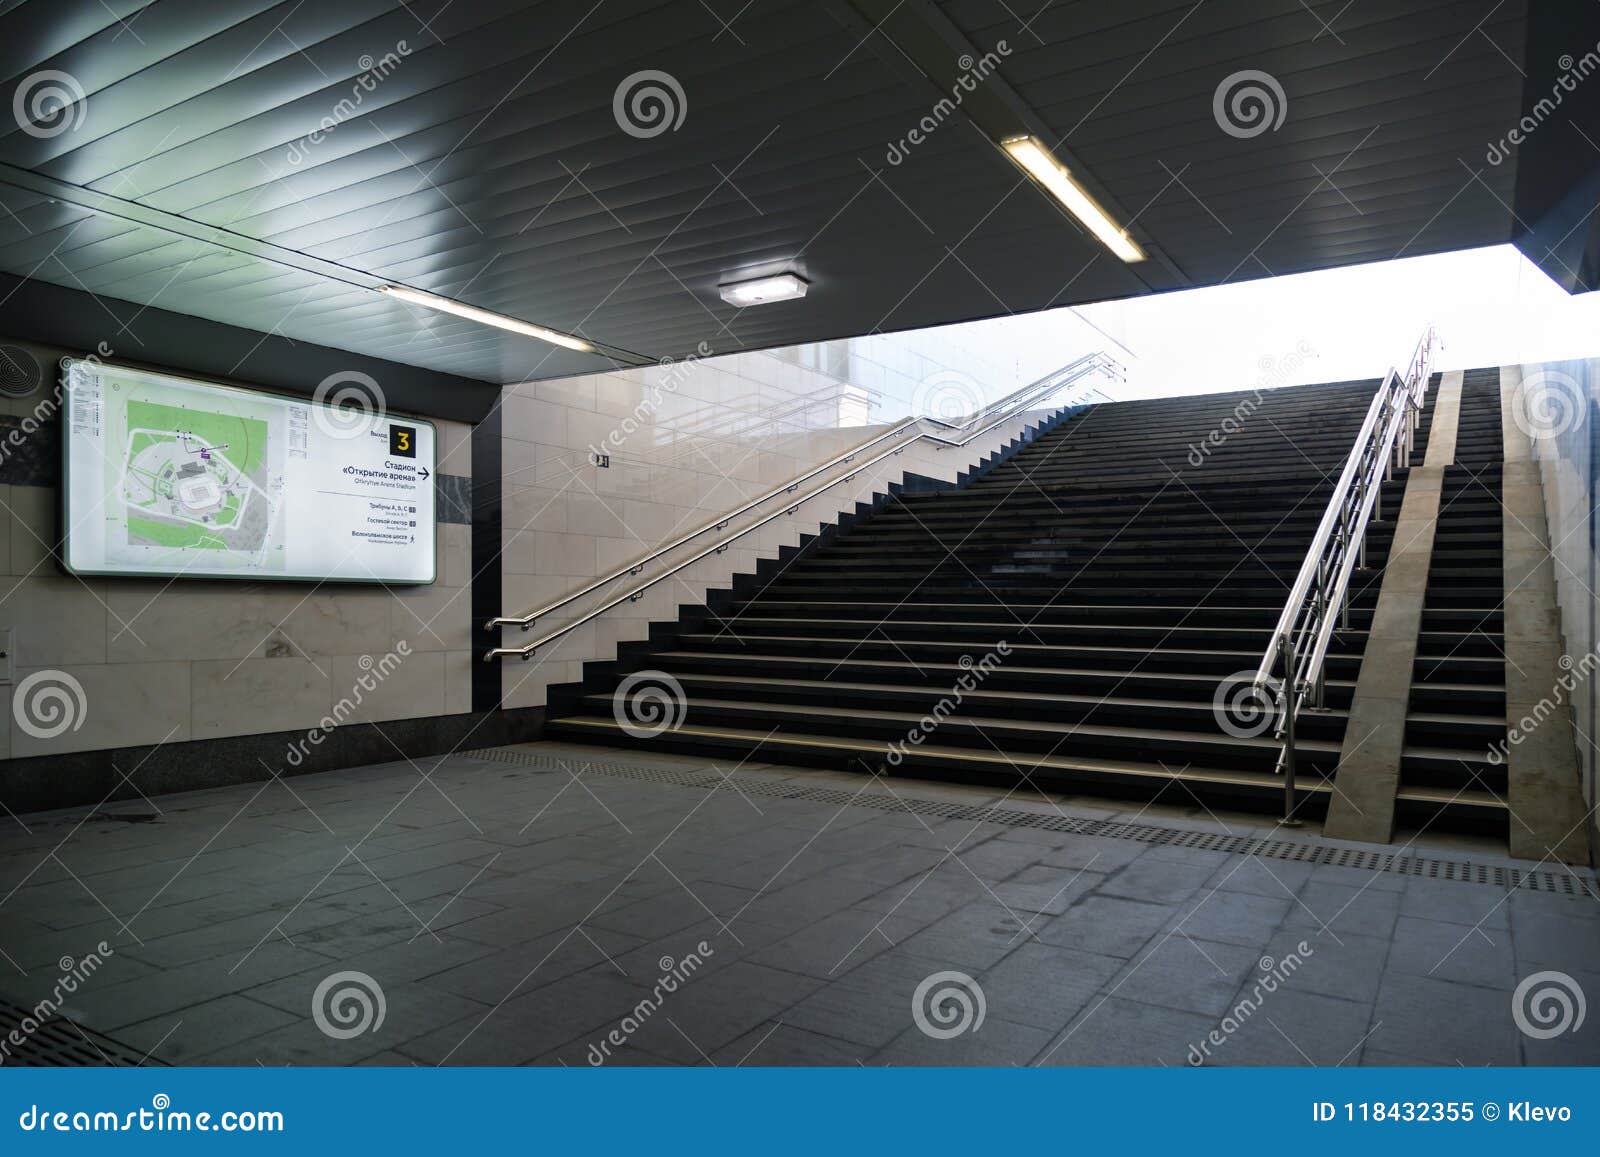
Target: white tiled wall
200,659
725,431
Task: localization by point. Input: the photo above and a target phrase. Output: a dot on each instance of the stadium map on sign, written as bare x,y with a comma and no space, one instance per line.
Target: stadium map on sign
197,477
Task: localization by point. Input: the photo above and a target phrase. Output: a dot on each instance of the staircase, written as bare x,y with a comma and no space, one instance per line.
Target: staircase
1457,710
1068,619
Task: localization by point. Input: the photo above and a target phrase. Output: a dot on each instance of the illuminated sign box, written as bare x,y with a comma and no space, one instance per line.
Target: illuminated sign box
171,477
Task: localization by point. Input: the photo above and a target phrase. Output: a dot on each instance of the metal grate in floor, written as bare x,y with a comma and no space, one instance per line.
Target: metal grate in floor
59,1042
1560,882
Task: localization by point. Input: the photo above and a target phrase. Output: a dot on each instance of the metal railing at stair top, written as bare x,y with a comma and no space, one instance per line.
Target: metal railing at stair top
1291,671
996,414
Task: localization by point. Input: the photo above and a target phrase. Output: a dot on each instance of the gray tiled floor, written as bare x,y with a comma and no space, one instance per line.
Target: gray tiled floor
519,915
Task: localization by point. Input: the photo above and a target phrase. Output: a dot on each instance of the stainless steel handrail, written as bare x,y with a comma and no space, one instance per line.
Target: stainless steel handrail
1319,600
1030,398
1026,395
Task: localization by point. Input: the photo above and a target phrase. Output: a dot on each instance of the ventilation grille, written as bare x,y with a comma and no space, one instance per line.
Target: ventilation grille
20,373
59,1042
1398,863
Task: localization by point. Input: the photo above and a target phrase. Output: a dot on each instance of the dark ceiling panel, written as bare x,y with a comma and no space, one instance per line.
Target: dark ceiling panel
1383,104
471,149
140,335
37,32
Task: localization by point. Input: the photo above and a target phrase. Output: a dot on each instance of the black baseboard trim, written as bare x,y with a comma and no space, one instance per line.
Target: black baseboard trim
84,778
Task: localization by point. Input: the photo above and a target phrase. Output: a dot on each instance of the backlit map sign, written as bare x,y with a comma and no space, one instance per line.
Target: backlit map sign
168,476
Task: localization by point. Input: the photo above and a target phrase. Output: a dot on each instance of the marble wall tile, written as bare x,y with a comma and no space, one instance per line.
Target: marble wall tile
534,508
453,453
257,695
413,688
431,618
123,705
205,621
532,420
340,621
60,621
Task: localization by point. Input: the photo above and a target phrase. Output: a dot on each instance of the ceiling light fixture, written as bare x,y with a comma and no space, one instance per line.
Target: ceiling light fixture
1036,160
484,317
760,290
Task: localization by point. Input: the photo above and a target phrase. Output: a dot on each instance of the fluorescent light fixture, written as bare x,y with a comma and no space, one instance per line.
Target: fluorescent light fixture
760,290
484,317
1035,160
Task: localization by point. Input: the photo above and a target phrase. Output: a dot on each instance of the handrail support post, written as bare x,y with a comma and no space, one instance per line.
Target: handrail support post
1290,710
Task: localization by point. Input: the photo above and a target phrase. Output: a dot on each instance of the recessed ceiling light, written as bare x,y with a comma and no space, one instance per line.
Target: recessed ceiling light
760,290
1036,160
484,317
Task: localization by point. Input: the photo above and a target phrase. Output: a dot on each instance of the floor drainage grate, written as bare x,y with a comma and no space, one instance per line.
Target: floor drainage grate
1564,883
58,1042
